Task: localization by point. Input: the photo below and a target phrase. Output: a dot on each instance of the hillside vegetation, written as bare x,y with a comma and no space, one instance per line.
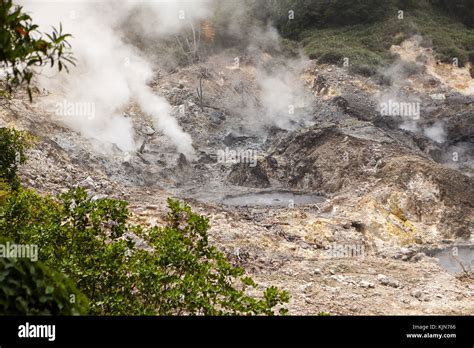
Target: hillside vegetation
363,31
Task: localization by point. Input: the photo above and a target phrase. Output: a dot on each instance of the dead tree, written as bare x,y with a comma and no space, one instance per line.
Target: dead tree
192,41
199,94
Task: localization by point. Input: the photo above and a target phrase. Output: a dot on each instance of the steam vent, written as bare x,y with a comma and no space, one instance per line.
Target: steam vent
224,157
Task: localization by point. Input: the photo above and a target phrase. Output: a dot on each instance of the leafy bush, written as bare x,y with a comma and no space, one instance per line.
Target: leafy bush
193,276
72,240
23,47
13,145
448,54
331,30
30,288
331,57
324,14
90,242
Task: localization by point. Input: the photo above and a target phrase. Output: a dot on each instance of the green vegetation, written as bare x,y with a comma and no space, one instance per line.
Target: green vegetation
325,14
23,47
331,30
366,46
91,243
13,145
364,30
30,288
448,37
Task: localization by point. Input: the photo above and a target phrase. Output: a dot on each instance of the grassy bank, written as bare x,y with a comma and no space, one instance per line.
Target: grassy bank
367,45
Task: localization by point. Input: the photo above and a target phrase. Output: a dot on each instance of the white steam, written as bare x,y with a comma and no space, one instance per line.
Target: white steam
111,73
282,94
436,132
398,76
117,46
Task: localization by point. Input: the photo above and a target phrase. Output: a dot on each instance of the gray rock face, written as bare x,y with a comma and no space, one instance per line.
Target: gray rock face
385,188
356,106
333,159
243,174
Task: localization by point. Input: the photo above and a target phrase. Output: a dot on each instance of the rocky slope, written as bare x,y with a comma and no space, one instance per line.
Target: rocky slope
387,192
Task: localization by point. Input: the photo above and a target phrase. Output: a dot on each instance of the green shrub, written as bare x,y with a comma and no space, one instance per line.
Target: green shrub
331,57
23,47
367,43
190,276
310,14
471,57
30,288
289,48
448,54
13,145
363,69
89,241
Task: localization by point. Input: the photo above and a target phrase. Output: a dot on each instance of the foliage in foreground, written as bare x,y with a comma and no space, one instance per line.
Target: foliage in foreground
93,244
23,47
13,145
29,288
90,242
